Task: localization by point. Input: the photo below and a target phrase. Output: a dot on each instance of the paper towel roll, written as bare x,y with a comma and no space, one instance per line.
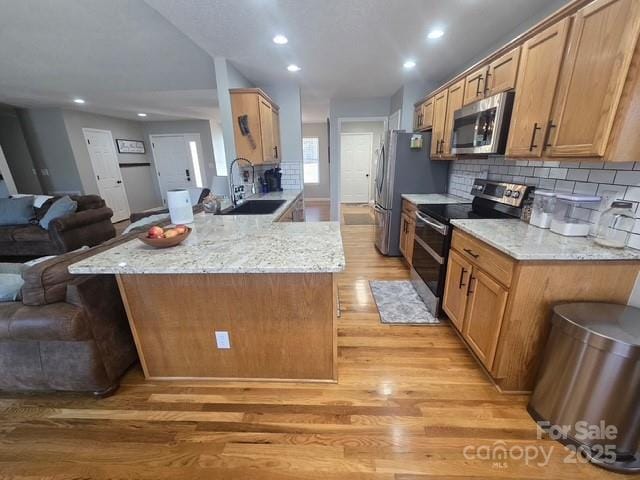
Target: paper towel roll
180,208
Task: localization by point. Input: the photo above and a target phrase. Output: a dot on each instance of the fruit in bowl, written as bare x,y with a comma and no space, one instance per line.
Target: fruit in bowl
159,237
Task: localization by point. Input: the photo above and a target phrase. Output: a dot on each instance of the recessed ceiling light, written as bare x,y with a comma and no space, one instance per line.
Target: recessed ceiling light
293,68
142,114
409,64
78,100
435,33
280,40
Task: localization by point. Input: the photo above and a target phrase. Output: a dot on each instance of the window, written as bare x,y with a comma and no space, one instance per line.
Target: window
311,159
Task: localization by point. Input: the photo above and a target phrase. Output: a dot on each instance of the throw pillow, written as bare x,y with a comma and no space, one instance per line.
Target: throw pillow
10,286
16,211
61,207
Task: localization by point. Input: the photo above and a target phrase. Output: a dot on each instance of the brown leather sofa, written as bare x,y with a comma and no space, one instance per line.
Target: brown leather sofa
90,225
69,332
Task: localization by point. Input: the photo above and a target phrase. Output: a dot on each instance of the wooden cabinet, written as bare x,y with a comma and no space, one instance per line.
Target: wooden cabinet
487,302
502,73
600,47
427,114
474,85
439,122
417,118
256,126
407,230
537,79
454,102
455,289
501,307
275,126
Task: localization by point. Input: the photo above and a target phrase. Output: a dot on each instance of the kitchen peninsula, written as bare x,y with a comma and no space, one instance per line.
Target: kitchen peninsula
266,284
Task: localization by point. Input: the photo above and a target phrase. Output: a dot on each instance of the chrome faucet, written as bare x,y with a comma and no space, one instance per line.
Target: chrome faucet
237,191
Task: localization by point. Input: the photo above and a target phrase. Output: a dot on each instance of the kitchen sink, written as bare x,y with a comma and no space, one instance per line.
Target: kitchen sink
255,207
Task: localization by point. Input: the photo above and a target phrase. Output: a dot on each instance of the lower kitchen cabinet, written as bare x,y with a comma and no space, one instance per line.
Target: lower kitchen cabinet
487,301
502,307
407,230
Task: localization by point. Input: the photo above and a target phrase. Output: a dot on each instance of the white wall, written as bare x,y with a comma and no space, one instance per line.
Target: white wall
323,189
287,97
348,108
139,182
16,152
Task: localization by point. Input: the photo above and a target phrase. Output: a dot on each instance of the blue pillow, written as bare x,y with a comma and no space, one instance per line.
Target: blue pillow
16,211
61,207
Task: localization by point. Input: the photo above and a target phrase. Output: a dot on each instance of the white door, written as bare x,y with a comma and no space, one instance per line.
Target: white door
178,160
102,152
356,153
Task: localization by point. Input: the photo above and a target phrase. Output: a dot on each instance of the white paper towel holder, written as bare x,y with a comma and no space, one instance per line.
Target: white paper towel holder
180,209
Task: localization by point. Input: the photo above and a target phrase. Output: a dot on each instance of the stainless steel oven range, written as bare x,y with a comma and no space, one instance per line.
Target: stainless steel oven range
433,232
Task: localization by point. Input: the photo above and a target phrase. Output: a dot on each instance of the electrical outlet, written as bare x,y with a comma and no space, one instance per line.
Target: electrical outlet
222,340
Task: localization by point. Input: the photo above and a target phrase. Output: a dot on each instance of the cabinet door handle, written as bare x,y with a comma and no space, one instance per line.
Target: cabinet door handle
469,291
532,145
276,151
460,283
471,252
486,84
478,89
547,134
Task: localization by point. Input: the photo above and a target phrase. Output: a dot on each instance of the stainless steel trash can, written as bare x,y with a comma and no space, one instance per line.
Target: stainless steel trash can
589,383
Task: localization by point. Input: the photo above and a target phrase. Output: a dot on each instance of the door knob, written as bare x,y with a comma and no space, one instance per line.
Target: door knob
366,175
118,181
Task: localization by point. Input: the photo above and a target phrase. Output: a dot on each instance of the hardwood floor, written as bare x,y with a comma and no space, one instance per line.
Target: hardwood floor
408,401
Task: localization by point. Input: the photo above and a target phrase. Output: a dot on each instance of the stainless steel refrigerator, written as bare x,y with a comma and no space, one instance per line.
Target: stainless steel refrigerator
402,169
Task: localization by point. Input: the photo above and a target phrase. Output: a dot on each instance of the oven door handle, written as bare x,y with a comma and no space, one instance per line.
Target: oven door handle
437,226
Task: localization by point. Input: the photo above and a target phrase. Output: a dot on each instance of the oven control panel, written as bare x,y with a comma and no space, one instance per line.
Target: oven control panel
513,194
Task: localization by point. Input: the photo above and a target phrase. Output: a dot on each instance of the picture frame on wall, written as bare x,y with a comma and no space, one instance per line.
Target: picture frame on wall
130,146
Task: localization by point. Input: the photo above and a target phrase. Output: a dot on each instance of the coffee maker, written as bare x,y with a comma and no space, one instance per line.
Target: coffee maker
273,178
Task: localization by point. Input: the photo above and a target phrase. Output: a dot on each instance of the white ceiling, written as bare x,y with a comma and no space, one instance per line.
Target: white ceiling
121,56
126,56
350,48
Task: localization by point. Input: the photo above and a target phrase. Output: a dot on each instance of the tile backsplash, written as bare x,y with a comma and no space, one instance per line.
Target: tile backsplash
586,177
291,174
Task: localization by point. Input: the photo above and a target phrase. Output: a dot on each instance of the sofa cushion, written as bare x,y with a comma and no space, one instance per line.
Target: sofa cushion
30,233
59,208
16,211
58,321
10,286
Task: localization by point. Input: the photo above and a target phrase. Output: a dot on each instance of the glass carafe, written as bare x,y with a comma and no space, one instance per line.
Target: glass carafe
615,224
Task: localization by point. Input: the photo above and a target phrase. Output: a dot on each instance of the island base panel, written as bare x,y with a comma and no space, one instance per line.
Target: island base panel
281,326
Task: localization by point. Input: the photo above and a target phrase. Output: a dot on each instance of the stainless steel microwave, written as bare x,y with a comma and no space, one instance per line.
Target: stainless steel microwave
482,126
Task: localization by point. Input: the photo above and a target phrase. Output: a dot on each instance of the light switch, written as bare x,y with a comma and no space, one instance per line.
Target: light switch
222,340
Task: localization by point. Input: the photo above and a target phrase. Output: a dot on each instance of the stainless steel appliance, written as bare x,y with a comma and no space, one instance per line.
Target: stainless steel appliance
402,169
433,232
589,383
482,126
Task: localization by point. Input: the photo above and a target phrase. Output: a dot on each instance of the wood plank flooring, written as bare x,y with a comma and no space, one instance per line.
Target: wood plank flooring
408,402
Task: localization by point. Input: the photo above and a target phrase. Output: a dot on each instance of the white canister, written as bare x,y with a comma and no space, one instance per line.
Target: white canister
180,208
542,208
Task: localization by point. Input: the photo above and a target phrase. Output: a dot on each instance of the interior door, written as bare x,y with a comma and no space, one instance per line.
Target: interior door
173,163
356,151
484,318
601,44
102,153
535,87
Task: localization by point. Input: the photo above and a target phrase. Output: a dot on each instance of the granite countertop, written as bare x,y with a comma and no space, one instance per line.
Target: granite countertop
432,198
232,244
522,241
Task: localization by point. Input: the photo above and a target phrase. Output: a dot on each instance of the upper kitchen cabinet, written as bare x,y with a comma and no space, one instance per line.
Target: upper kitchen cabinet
439,122
423,115
592,78
502,73
455,98
256,126
474,85
537,80
417,118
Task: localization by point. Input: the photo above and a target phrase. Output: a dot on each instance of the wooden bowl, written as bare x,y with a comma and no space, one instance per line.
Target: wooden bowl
164,242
